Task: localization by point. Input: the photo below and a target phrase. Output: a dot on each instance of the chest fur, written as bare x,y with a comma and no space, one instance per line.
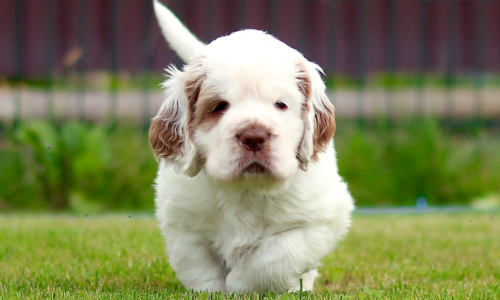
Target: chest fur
242,225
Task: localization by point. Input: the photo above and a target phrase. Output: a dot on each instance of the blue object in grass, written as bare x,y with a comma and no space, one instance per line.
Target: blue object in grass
422,203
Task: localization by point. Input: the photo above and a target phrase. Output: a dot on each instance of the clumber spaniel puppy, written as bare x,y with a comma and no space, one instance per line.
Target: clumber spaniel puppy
247,193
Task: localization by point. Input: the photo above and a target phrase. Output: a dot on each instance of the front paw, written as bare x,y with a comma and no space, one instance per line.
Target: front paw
255,281
211,286
307,282
219,285
237,283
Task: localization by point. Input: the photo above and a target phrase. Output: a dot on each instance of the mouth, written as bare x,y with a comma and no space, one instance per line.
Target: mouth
255,168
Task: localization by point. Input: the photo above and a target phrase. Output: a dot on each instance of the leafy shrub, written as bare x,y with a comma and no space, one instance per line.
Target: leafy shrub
76,165
396,165
85,167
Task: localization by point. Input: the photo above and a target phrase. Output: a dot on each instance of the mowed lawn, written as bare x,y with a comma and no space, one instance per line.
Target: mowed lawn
436,256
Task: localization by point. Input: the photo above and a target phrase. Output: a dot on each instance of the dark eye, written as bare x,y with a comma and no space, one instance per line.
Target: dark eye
280,105
221,107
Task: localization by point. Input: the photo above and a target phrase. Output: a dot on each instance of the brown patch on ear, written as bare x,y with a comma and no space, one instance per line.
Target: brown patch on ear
166,133
324,126
324,119
193,88
164,139
304,85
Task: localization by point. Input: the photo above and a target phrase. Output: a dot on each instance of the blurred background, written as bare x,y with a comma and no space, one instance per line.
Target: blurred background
415,83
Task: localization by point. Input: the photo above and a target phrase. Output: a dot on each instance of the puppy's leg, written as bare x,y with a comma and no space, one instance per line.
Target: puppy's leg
194,263
307,281
279,261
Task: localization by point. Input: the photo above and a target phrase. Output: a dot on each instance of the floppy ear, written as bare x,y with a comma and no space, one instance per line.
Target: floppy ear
317,113
170,133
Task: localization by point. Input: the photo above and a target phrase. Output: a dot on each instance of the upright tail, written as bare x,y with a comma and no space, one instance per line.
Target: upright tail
181,40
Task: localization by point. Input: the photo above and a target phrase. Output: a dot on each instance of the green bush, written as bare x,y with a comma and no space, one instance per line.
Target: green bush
396,165
76,166
88,167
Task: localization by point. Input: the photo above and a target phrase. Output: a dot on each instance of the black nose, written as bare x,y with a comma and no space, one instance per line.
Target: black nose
253,139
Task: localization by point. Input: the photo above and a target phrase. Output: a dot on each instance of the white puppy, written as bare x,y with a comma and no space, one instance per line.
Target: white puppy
248,194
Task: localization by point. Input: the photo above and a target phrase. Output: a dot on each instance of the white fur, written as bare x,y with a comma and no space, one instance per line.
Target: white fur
178,36
231,231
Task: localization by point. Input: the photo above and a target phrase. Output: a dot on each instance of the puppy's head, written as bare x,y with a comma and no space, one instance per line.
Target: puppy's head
248,107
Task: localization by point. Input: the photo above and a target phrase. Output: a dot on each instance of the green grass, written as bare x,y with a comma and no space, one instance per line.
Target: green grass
439,256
